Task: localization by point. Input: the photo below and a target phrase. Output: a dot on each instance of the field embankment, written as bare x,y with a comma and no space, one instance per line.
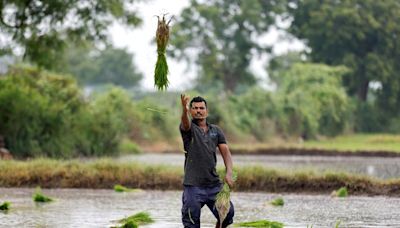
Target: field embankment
107,173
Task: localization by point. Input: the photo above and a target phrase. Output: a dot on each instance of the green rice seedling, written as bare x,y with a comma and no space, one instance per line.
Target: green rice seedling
120,188
5,206
40,198
337,224
222,201
261,223
342,192
161,69
140,218
278,202
129,224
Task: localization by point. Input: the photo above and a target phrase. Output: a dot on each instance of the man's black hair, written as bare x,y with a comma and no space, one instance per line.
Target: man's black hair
198,99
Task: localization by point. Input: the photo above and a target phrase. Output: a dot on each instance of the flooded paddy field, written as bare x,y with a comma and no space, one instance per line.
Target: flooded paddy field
101,208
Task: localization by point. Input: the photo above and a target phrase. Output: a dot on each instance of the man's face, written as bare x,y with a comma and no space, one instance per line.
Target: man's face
199,110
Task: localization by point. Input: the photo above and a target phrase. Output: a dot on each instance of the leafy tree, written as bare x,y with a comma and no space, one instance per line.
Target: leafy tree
111,65
360,34
224,34
313,100
42,27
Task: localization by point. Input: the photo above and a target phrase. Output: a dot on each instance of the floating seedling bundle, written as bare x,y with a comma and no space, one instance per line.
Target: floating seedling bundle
161,70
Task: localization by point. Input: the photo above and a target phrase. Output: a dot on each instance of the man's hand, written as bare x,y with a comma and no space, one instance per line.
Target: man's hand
229,180
185,102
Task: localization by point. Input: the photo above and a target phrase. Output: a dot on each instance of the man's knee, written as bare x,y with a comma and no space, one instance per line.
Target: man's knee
191,216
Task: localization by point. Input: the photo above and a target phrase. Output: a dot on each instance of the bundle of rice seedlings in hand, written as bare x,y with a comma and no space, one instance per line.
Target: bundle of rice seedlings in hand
222,201
161,70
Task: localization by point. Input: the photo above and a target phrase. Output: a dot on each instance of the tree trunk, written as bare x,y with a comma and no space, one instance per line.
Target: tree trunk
363,90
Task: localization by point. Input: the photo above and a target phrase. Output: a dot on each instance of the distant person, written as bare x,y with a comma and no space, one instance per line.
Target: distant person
201,182
4,153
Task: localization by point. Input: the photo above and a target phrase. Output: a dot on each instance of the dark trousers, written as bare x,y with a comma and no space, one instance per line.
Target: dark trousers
194,198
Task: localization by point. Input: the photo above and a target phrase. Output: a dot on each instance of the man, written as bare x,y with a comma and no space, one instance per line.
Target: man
201,181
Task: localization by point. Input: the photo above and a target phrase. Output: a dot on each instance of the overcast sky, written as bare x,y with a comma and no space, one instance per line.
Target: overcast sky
138,41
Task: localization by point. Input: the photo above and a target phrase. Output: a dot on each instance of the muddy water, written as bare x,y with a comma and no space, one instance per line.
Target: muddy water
372,166
100,208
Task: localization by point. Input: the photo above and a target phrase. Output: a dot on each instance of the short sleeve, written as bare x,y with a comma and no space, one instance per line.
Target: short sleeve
186,137
221,136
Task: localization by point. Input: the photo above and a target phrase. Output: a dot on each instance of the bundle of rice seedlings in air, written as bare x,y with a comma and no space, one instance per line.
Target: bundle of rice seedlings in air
222,201
161,70
5,206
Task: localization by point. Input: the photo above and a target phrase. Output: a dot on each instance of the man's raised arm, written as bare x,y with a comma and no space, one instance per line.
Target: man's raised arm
185,121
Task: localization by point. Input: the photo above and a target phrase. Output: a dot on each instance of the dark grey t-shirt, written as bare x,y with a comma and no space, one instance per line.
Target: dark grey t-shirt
200,156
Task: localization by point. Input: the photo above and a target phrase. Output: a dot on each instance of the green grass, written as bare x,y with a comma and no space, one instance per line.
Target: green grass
105,173
358,142
39,197
5,206
261,223
278,202
137,219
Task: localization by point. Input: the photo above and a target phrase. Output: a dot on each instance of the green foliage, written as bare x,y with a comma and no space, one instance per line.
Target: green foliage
106,120
40,198
261,223
225,34
278,202
44,114
43,28
359,34
313,101
253,113
92,66
127,146
37,109
5,206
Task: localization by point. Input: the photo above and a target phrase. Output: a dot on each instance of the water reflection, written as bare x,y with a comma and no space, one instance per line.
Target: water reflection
99,208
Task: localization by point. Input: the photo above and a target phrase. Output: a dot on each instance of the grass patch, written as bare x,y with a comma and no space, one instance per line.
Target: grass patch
39,197
5,206
278,202
358,142
261,223
137,219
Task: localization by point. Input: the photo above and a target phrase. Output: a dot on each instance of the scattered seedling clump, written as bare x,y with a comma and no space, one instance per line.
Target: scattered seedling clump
278,202
120,188
135,220
5,206
261,223
39,197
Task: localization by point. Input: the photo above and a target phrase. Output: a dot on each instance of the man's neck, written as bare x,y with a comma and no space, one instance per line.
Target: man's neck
201,122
